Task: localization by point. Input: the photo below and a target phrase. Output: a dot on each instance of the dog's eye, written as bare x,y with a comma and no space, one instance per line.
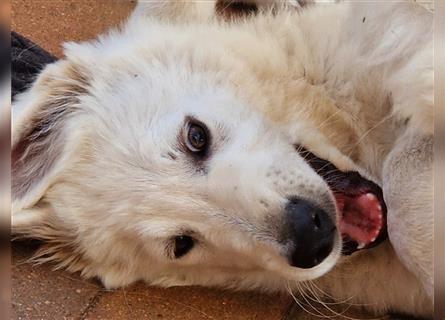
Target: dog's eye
196,140
183,244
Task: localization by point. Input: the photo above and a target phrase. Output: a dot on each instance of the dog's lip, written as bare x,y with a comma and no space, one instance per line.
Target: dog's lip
354,188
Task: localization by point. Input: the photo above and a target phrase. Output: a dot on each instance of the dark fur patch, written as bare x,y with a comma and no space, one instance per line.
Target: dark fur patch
41,142
231,9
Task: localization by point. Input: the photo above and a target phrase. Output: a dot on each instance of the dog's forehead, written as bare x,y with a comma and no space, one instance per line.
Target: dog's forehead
157,93
220,104
165,73
138,94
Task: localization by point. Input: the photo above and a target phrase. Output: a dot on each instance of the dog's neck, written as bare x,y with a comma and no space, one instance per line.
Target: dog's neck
361,132
346,111
345,130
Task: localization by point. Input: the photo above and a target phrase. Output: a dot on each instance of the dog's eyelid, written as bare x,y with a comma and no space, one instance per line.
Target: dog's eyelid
196,153
189,120
181,244
217,128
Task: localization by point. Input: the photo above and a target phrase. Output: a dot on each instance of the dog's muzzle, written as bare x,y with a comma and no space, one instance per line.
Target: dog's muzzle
311,231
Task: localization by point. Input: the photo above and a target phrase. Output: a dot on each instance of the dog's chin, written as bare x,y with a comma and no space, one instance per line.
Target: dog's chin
361,209
290,273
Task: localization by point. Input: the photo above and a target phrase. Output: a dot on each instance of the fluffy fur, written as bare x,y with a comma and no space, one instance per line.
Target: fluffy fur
99,173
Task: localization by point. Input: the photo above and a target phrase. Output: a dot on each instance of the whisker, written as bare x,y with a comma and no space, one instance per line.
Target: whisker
300,304
336,313
304,294
325,121
367,132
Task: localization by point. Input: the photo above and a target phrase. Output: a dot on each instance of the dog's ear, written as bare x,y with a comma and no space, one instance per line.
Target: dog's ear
44,138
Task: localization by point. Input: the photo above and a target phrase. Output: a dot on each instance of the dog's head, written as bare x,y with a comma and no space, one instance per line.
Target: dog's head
151,160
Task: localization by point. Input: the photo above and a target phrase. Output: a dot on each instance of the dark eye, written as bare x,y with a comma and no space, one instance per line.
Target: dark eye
196,139
183,244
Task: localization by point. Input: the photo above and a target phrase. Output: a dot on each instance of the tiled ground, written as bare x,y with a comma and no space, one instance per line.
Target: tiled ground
50,22
42,293
39,292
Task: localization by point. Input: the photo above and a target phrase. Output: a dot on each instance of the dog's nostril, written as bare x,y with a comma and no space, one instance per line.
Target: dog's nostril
316,219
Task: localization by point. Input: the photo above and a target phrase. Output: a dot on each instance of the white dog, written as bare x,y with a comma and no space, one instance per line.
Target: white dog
183,149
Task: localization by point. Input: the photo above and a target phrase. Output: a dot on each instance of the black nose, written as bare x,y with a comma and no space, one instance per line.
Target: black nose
311,231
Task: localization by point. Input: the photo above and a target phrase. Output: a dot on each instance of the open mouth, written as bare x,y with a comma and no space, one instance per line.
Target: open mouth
360,204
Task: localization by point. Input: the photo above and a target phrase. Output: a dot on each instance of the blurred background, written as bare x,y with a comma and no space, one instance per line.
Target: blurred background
439,179
4,159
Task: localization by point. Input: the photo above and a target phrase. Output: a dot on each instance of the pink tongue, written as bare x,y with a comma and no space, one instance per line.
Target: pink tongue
361,217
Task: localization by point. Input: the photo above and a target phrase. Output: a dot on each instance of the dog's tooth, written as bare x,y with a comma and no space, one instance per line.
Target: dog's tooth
373,239
370,196
379,207
360,246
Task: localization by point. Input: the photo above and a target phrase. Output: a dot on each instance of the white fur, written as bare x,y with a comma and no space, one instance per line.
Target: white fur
340,79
